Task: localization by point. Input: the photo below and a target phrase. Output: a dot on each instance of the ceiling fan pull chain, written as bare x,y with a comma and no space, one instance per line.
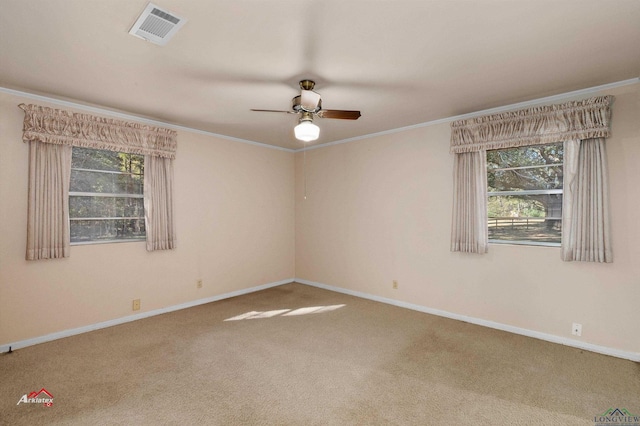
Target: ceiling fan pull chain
304,171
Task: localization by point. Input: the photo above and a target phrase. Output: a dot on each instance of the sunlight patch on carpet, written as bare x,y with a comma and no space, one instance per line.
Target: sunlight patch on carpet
285,312
312,310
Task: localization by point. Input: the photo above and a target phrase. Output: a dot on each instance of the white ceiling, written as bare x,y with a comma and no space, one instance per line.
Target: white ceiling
400,62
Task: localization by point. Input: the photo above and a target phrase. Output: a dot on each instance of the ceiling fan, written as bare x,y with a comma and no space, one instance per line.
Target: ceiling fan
309,105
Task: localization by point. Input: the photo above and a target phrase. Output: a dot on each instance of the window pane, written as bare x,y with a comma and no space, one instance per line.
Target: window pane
532,216
99,218
95,159
104,230
545,177
535,218
113,183
81,206
525,156
525,168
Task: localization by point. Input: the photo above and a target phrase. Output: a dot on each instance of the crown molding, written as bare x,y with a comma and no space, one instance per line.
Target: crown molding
126,116
496,110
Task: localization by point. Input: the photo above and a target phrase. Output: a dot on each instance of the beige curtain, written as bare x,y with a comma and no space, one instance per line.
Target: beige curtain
585,210
158,203
469,231
587,218
588,118
48,202
51,134
61,127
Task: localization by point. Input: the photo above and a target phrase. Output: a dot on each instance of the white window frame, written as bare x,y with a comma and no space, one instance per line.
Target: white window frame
110,195
523,192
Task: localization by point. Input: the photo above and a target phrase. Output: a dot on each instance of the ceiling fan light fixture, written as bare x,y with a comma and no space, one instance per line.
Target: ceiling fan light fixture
306,131
309,104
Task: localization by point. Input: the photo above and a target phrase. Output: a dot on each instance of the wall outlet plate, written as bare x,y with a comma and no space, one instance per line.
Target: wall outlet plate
576,329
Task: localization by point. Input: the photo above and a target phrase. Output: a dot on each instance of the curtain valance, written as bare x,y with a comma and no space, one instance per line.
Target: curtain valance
60,127
585,119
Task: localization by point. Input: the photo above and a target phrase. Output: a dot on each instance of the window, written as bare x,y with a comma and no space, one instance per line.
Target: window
525,195
106,201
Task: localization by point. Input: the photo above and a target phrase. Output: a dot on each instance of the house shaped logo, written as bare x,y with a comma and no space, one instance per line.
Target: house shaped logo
620,416
41,397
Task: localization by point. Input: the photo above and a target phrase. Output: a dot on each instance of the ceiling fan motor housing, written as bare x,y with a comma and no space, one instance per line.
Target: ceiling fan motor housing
296,105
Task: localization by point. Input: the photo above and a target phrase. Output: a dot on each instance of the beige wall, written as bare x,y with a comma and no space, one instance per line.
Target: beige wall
379,209
234,212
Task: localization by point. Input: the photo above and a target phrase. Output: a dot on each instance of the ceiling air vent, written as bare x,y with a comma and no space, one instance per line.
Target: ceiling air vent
156,25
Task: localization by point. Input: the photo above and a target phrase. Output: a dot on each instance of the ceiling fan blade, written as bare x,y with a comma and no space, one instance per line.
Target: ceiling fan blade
273,110
340,114
309,100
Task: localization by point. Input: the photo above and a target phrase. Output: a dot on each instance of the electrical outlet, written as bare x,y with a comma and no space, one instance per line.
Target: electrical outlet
199,284
576,329
395,284
136,305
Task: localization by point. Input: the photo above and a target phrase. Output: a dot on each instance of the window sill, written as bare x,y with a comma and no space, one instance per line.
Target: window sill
525,243
90,243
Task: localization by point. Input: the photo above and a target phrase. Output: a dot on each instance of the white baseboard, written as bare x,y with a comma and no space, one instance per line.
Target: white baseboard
632,356
72,332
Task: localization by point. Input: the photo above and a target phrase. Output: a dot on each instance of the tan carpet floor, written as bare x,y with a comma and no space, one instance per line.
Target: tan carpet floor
357,364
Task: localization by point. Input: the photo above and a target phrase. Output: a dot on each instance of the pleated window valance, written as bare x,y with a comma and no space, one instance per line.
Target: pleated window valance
586,119
60,127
